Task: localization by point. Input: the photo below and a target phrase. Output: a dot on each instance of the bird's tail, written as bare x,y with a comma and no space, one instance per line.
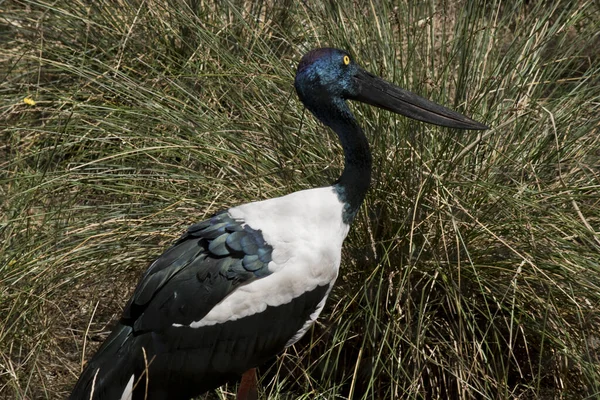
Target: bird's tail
110,373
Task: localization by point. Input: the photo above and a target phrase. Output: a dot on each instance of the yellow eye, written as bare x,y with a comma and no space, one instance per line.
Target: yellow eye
346,60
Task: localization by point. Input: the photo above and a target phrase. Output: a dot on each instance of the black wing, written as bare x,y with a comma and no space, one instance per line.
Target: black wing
208,262
154,341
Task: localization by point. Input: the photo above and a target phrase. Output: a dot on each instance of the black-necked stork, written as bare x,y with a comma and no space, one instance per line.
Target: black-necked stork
238,288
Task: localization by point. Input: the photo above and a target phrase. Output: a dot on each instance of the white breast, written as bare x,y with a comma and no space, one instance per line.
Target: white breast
306,232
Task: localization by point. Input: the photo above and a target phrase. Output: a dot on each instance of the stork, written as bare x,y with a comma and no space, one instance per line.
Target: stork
238,288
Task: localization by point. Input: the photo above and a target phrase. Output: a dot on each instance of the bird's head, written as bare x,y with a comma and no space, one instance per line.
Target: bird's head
326,73
327,77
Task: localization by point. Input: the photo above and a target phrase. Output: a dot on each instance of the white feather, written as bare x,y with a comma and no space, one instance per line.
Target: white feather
306,232
128,392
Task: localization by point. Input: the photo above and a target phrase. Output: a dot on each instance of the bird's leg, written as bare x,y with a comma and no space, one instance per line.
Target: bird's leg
248,389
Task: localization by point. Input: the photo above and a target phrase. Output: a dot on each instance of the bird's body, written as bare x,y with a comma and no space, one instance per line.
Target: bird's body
238,288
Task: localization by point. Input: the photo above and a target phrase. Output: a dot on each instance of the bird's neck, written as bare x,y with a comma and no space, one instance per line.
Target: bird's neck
354,182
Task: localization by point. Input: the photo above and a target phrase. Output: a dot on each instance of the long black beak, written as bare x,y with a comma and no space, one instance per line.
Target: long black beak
377,92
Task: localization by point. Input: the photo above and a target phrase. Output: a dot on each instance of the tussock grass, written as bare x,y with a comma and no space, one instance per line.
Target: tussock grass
472,270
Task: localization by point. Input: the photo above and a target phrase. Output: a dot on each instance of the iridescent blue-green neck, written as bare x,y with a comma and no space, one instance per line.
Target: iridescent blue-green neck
354,182
323,82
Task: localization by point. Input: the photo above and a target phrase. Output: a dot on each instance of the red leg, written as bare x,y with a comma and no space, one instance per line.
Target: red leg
248,389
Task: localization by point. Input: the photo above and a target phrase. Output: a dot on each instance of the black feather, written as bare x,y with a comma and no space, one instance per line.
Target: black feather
203,266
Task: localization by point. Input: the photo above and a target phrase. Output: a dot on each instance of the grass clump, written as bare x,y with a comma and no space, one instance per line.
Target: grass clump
472,270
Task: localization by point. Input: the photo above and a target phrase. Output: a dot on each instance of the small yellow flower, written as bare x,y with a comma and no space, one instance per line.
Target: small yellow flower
29,101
